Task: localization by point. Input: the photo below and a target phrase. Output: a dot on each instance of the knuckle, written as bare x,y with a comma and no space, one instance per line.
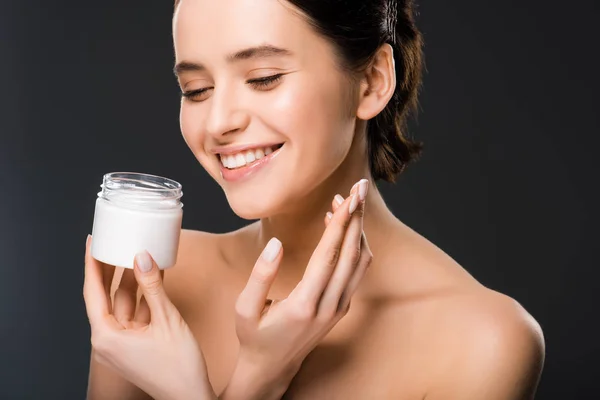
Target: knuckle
261,276
153,285
241,310
302,311
355,255
331,256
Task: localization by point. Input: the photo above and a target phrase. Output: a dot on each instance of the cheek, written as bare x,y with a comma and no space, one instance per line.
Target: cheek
190,118
315,119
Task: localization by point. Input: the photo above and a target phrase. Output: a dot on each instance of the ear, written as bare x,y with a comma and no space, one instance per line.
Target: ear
378,83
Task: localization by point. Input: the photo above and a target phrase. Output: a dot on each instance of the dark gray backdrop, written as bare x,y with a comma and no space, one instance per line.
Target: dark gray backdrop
506,184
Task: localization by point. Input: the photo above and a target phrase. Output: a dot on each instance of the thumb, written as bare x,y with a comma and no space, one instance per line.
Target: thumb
251,301
150,281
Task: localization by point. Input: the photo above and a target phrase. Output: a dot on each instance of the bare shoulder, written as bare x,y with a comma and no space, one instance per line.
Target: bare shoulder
202,260
194,244
469,341
488,346
197,255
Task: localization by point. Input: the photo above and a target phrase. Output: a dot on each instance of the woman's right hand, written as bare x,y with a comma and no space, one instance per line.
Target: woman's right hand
275,337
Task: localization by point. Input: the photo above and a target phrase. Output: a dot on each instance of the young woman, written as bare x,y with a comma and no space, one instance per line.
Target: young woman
287,103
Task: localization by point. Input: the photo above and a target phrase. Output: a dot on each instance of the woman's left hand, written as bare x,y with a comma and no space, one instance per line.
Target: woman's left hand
151,346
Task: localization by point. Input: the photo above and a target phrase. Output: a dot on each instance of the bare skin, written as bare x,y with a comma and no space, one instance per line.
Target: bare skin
410,323
419,326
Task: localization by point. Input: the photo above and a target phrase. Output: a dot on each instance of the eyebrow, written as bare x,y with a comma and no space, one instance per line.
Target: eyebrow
263,51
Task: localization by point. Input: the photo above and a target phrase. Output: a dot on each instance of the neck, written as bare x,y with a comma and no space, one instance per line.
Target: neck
300,230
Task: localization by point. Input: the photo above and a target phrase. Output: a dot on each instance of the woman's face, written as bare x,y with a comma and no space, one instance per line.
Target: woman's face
269,113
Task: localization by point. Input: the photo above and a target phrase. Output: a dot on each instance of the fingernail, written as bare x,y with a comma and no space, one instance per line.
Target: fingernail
329,215
271,250
339,199
363,187
143,261
353,203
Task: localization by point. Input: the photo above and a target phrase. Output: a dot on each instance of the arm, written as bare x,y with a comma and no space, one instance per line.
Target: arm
248,383
275,341
106,384
149,345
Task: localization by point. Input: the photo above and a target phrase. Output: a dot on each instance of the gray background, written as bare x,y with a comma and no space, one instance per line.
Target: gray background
505,186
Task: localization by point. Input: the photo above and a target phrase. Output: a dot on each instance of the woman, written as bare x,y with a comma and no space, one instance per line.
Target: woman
287,103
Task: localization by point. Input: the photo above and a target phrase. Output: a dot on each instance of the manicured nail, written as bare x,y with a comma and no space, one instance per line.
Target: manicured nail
271,250
329,215
363,187
143,261
353,203
339,199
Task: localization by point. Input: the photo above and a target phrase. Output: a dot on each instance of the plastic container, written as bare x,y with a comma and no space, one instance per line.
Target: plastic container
136,212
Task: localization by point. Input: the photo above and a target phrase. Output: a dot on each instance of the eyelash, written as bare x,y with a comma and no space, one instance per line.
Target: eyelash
259,83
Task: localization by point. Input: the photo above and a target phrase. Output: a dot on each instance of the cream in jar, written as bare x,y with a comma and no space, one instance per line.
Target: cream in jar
136,212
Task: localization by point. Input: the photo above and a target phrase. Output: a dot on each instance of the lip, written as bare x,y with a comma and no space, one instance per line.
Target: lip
228,150
236,175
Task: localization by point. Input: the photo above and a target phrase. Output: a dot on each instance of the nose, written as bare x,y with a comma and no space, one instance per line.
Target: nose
226,114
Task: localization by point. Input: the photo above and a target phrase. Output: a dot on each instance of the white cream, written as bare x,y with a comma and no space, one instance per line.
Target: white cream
243,158
134,215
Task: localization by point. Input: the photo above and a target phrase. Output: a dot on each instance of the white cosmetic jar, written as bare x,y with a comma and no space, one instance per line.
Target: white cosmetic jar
136,212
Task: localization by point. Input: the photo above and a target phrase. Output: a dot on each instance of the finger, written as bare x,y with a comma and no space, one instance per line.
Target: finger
125,297
150,281
335,204
253,299
97,299
359,273
363,265
269,303
349,258
142,312
329,215
108,273
325,257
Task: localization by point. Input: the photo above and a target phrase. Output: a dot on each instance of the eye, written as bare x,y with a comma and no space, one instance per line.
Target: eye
195,95
265,82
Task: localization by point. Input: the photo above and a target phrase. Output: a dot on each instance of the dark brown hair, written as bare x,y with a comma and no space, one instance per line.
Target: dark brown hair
358,28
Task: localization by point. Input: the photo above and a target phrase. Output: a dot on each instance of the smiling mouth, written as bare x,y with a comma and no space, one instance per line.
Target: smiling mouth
246,158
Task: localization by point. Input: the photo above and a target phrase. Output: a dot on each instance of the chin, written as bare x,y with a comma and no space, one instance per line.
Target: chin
252,209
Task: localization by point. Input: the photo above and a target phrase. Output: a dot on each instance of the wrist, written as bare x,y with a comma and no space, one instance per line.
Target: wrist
250,382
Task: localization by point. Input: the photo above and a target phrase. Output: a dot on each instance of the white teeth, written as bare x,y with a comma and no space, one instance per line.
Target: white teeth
250,157
247,157
240,160
229,161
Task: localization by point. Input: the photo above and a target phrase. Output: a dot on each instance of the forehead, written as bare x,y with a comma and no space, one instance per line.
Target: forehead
202,28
